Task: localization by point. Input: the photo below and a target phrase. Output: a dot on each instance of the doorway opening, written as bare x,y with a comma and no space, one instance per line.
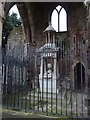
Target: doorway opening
79,76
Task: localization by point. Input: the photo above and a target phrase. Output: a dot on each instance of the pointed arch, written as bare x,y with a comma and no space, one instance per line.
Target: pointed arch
79,76
59,19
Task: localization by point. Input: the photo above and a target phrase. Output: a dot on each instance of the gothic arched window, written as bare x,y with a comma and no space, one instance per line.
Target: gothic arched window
59,19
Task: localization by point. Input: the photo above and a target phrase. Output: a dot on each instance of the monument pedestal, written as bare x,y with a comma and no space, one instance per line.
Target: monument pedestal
48,85
48,70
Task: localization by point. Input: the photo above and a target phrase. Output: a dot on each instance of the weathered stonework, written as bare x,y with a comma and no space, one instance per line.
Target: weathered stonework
36,16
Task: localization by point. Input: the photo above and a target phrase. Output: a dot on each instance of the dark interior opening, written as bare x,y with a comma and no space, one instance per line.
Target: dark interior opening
79,76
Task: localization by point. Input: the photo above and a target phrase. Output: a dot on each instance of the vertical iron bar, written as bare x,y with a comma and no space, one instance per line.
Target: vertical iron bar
4,83
13,82
11,77
56,78
22,80
87,79
47,55
66,78
14,67
46,87
18,82
82,87
4,76
52,77
58,84
30,90
61,76
34,79
26,89
27,77
37,78
9,86
76,81
42,102
87,86
22,87
65,75
4,73
16,79
70,78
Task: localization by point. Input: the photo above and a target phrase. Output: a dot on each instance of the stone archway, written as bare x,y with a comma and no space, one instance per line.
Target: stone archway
79,76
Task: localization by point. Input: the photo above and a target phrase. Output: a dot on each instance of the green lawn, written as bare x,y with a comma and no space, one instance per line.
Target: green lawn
22,101
8,113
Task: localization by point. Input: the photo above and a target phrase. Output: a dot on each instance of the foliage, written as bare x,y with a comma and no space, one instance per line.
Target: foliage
10,22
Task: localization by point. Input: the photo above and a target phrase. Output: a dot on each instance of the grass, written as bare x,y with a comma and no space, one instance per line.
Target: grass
21,114
21,102
9,113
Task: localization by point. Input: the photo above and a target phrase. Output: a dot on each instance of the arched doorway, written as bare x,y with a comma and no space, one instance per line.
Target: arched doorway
79,76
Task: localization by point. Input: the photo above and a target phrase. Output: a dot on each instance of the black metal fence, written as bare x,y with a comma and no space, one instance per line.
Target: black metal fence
52,79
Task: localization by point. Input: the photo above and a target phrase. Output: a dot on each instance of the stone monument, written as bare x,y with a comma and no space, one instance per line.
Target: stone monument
48,68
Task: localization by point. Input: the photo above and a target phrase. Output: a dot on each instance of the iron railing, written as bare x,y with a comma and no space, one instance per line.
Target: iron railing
47,79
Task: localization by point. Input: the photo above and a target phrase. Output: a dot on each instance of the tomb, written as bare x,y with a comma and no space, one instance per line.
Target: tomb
48,66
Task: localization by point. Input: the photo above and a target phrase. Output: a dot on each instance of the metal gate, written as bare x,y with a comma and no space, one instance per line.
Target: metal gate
51,79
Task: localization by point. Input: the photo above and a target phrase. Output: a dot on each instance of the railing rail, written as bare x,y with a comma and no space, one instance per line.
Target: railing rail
46,80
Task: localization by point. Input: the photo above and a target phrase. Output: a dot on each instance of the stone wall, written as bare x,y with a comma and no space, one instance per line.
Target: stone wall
77,19
36,17
77,22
